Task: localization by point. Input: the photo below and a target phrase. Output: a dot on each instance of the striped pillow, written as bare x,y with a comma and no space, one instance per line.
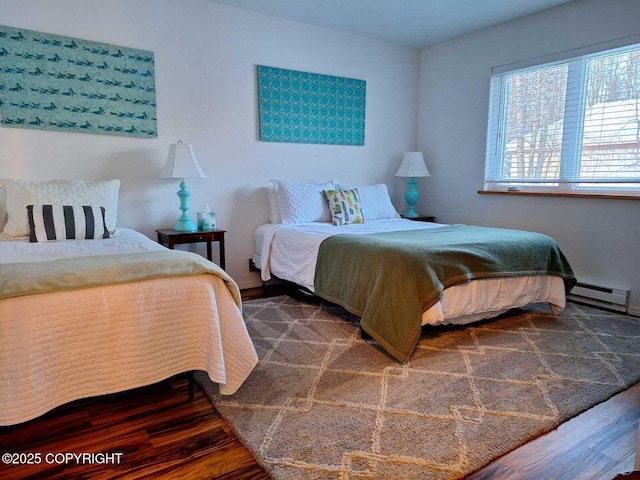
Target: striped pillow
66,222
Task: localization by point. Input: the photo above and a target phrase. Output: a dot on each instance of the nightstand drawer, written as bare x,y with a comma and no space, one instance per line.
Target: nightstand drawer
197,237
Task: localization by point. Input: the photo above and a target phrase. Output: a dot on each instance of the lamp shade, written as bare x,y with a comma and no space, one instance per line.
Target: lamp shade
181,162
413,166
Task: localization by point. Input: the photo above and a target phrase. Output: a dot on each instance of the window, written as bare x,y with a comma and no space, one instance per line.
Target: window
571,125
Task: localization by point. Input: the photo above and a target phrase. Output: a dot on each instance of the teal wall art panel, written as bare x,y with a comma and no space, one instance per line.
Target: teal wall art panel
301,107
60,83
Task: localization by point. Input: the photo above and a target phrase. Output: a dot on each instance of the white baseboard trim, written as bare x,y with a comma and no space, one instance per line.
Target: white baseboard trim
635,311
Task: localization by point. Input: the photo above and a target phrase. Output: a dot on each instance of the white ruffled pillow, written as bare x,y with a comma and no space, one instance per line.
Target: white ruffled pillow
375,201
21,193
274,211
301,202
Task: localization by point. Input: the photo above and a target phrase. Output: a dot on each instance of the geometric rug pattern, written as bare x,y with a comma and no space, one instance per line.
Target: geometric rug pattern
323,404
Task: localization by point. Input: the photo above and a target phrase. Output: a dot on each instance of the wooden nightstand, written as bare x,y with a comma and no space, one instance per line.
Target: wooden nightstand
169,238
422,219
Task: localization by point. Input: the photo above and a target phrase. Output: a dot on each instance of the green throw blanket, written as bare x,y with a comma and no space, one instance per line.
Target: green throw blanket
17,279
389,279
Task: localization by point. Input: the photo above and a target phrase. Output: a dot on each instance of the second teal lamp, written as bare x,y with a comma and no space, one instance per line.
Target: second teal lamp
182,163
412,166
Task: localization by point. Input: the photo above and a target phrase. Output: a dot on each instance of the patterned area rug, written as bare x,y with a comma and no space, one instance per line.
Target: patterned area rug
324,404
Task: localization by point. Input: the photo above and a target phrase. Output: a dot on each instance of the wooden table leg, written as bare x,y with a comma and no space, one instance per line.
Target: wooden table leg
191,386
221,243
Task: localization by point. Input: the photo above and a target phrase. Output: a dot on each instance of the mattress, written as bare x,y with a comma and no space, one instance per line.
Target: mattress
289,252
62,346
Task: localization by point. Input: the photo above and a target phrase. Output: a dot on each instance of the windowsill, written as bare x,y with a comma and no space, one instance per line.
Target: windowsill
611,196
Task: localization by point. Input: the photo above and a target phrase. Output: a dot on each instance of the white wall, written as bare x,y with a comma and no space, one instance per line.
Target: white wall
600,237
205,64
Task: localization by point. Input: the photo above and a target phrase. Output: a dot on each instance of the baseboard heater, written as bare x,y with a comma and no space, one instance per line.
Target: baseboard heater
599,296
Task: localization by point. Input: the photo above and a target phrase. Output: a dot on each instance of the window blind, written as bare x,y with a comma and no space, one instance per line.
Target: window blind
570,121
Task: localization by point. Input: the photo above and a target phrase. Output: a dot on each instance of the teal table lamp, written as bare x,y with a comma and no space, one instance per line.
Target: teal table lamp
412,166
182,163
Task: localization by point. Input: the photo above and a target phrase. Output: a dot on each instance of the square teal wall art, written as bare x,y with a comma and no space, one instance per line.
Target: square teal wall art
300,107
60,83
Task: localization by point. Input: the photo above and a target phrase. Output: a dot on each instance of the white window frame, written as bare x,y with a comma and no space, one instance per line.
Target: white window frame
571,140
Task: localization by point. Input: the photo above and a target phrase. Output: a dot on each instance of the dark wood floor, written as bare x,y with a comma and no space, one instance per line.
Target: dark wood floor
161,434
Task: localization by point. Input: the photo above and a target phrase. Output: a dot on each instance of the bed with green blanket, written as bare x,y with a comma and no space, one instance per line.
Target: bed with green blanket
390,279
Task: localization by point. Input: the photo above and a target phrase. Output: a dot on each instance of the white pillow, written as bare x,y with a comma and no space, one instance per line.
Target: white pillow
274,211
302,202
375,201
21,193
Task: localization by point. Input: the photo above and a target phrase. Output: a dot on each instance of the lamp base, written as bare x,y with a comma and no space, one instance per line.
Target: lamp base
411,196
411,214
185,225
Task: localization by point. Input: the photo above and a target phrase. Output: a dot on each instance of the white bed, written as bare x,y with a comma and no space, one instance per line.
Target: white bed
405,274
289,252
65,345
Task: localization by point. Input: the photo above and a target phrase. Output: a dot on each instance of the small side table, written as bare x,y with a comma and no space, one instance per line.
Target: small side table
170,238
422,219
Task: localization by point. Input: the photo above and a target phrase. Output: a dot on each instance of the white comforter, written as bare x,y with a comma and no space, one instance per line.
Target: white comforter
289,252
62,346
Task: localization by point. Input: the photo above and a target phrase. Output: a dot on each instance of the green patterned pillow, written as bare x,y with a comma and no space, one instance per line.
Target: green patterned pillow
344,206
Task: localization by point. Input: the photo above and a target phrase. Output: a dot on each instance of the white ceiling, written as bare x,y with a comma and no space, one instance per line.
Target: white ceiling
415,23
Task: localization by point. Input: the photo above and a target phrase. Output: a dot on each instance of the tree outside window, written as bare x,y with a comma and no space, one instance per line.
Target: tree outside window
568,125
